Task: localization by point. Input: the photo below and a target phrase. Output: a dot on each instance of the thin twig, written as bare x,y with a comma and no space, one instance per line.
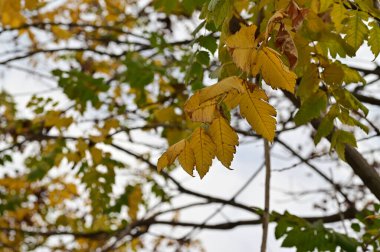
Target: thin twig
267,196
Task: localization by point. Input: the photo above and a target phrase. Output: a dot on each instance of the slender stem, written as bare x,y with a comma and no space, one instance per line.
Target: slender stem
267,196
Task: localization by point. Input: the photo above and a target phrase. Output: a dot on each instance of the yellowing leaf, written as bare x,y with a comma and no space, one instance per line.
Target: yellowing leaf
31,4
225,87
374,38
338,14
204,150
97,155
202,106
309,82
61,33
225,139
162,162
333,74
134,200
273,70
187,159
243,47
200,112
168,157
259,113
356,30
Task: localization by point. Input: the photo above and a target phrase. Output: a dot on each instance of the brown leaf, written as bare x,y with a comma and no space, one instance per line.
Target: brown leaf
285,43
296,14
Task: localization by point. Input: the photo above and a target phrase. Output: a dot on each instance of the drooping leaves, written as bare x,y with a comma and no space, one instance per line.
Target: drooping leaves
285,43
273,70
186,158
309,82
230,86
170,155
374,37
296,14
204,150
356,29
243,48
203,105
311,108
259,113
327,124
339,140
225,139
201,111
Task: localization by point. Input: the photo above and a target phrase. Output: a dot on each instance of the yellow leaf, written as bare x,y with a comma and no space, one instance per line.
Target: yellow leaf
200,112
225,139
273,70
259,113
162,162
243,47
31,4
164,115
186,158
228,86
204,150
134,200
97,155
202,106
170,155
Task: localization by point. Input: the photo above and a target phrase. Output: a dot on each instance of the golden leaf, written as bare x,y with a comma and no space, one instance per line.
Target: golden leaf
202,106
273,70
134,200
200,112
259,113
168,157
243,47
225,139
204,150
227,86
186,158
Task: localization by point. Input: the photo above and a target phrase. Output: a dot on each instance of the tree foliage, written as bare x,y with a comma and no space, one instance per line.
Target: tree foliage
132,68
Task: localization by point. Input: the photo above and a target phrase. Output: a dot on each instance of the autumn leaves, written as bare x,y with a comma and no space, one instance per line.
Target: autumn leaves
211,106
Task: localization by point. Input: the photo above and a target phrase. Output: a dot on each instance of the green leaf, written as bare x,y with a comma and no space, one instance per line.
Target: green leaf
309,82
203,57
198,28
213,3
335,45
327,124
333,74
311,108
351,75
208,42
345,118
374,37
281,228
339,140
139,73
346,243
81,87
355,227
348,100
219,10
166,6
